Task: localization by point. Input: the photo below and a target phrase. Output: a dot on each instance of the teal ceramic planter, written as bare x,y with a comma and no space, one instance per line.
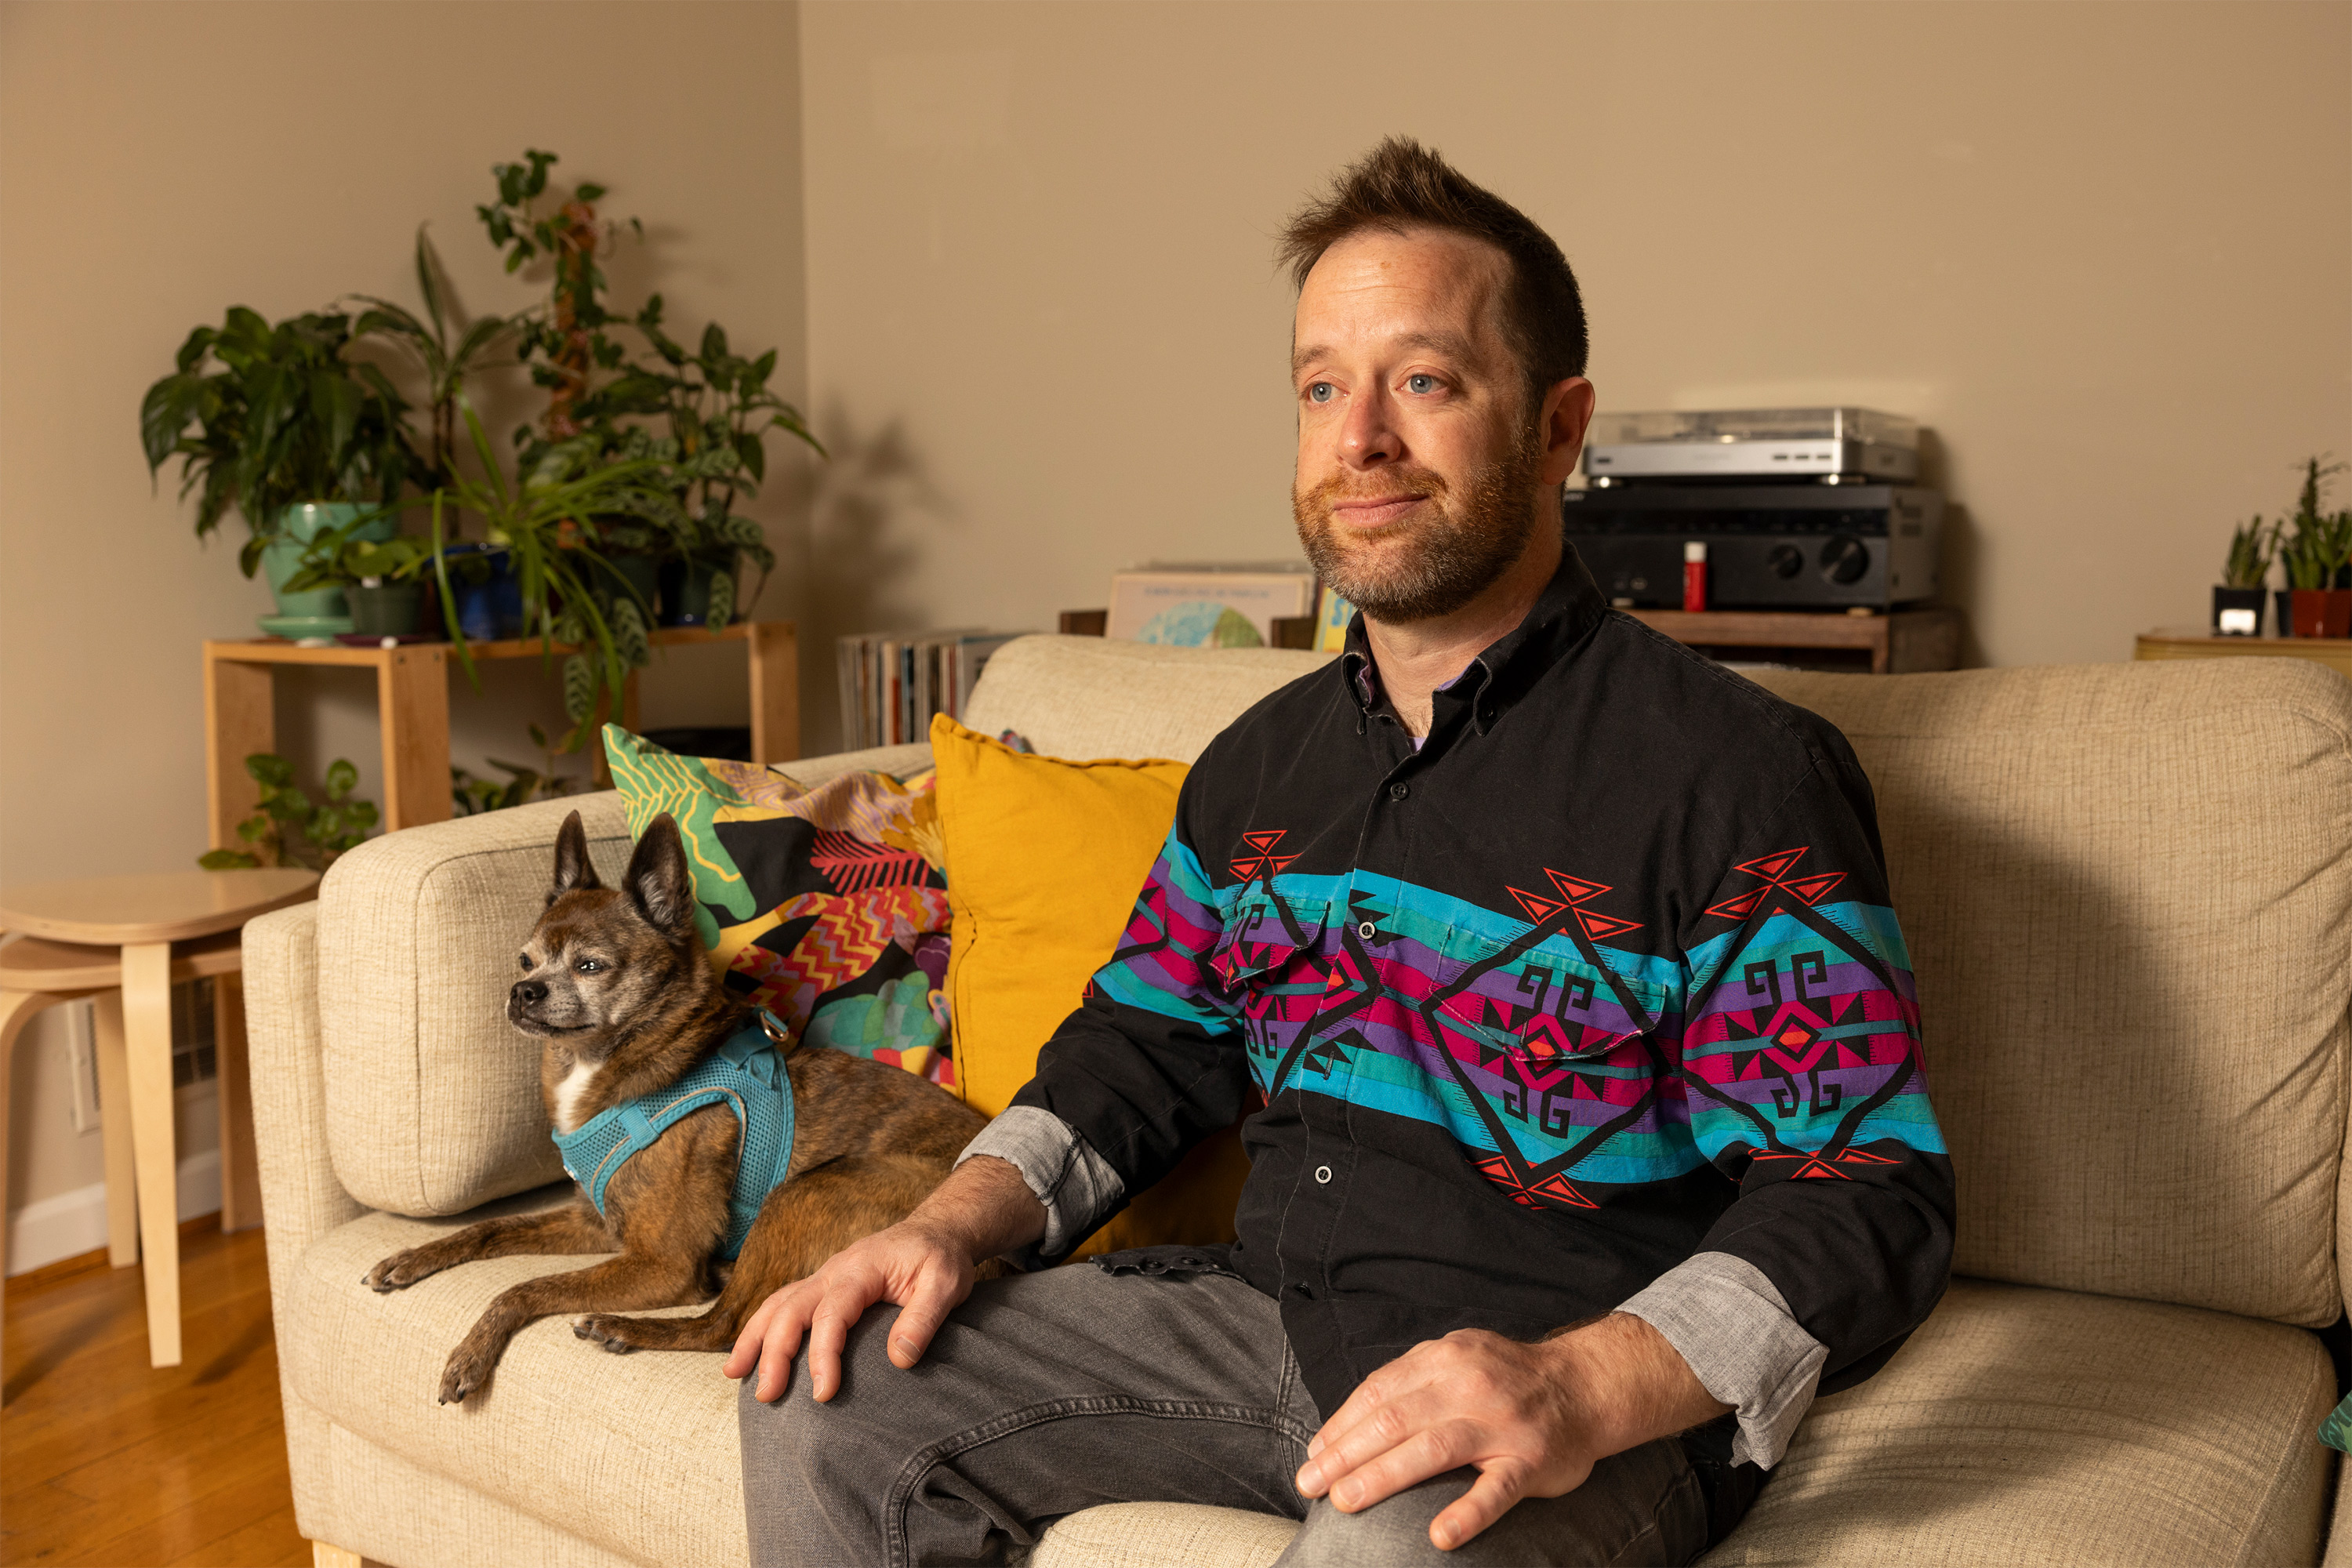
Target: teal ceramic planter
318,612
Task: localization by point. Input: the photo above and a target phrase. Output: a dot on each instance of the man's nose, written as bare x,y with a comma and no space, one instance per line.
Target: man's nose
1369,437
530,993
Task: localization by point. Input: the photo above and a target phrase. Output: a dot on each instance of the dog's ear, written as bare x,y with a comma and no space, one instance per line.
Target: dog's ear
572,870
659,880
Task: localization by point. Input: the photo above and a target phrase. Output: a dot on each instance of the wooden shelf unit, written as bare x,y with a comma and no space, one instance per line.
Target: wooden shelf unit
1901,642
2335,653
413,711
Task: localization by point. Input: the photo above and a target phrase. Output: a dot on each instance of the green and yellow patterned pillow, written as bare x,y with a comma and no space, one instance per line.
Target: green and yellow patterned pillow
826,906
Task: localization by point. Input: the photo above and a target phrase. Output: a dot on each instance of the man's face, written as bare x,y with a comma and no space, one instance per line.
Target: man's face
1419,459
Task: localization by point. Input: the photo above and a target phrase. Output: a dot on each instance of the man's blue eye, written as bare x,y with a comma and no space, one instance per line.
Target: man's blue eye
1418,384
1321,392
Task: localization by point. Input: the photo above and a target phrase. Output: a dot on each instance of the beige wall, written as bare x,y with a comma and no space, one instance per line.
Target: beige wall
2105,251
161,161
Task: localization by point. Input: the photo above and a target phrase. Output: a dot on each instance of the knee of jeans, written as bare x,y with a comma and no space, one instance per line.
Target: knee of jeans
841,1439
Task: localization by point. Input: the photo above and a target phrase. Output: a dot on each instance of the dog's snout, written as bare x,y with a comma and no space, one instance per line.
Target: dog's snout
530,993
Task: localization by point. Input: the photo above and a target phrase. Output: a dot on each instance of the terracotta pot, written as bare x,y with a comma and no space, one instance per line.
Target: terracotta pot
2308,607
2336,612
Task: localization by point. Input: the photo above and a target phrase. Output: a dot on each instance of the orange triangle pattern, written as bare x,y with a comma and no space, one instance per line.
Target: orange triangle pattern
1573,890
1773,870
1266,862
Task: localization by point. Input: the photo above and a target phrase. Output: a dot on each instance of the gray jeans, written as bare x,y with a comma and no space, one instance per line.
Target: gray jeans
1045,1394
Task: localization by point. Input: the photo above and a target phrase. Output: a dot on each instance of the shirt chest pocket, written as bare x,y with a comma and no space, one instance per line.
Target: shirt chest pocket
1261,952
1533,1009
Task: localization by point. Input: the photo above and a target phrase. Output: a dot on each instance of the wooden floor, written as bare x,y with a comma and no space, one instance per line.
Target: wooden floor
105,1460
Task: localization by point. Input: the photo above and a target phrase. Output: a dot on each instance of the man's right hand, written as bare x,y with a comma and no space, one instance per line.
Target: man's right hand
923,1264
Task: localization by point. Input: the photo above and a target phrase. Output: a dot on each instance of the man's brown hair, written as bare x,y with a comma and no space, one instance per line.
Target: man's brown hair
1401,185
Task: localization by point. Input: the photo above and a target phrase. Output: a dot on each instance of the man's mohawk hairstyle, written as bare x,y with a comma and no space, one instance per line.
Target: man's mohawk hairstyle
1401,185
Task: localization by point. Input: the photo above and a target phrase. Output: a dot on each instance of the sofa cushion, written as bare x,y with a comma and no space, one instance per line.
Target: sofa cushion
2017,1426
2126,891
432,1101
1091,697
825,906
2026,1425
1045,859
636,1454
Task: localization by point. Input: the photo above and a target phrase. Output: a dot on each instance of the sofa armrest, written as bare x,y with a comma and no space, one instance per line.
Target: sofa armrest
302,1199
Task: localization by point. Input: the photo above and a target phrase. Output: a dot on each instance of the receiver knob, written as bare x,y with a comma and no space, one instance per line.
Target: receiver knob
1785,560
1845,559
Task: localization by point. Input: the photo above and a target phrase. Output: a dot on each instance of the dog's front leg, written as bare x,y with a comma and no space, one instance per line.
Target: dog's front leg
574,1229
633,1281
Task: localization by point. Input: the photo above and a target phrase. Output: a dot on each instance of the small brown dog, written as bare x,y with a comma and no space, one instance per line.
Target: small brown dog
617,982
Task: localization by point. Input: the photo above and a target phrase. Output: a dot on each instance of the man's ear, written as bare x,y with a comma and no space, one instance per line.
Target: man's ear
572,871
659,881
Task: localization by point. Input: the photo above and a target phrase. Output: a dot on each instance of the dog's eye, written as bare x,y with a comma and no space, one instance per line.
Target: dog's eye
526,964
589,966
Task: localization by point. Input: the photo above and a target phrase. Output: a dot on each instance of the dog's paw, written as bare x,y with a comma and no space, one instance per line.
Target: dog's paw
399,1271
615,1335
468,1371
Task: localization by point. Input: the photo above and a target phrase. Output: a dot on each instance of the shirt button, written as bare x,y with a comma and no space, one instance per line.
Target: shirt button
1323,1174
1366,930
1397,790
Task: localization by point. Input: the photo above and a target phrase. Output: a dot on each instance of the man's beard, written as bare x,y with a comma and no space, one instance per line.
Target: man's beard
1440,558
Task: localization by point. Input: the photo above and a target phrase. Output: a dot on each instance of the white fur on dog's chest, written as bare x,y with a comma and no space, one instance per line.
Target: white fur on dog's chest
568,1093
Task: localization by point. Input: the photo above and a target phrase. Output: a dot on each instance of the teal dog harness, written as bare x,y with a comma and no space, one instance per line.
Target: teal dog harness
746,1073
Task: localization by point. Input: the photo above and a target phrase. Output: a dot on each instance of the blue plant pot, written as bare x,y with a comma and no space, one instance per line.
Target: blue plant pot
491,609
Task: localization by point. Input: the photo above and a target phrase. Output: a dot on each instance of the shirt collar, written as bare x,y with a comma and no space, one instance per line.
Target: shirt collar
1563,615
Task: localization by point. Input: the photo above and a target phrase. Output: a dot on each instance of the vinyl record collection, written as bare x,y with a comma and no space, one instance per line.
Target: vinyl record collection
892,682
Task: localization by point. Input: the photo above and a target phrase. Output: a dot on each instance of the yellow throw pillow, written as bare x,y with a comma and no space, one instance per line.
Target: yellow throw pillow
1045,859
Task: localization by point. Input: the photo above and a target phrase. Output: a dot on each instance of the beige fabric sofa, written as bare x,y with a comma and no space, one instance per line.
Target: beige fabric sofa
2128,893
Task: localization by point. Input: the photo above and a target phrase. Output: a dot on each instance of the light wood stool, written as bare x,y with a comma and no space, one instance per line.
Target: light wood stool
125,942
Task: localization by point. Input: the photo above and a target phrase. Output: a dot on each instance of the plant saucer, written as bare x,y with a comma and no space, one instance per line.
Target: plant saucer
300,627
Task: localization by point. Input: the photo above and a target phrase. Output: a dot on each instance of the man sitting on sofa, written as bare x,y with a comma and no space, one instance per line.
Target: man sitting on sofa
1590,1138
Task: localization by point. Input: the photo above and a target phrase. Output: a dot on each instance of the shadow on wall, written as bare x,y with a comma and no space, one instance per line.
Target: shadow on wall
866,506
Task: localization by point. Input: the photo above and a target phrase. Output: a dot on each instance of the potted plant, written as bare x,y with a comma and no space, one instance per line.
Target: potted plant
568,596
2237,601
2314,554
291,434
703,417
383,579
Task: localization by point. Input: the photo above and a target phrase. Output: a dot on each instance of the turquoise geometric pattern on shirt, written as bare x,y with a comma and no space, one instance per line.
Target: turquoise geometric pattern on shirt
1558,1059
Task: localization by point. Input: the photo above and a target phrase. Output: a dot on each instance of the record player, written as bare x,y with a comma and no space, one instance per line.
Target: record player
1831,445
1768,546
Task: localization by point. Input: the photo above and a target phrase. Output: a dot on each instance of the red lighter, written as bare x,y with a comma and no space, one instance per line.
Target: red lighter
1695,575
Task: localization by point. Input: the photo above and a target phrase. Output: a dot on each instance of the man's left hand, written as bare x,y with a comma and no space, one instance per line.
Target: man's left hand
1532,1418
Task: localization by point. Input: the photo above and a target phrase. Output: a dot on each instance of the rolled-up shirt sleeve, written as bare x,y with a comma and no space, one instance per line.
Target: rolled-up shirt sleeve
1747,1349
1076,1186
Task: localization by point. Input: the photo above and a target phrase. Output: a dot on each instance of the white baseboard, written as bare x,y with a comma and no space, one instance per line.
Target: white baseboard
73,1223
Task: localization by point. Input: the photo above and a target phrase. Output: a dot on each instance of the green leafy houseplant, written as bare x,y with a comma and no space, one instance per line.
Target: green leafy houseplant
445,362
280,417
339,558
289,828
570,595
701,416
471,795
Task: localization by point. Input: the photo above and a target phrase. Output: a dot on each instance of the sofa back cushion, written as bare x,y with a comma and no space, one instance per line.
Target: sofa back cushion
1090,697
2127,893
